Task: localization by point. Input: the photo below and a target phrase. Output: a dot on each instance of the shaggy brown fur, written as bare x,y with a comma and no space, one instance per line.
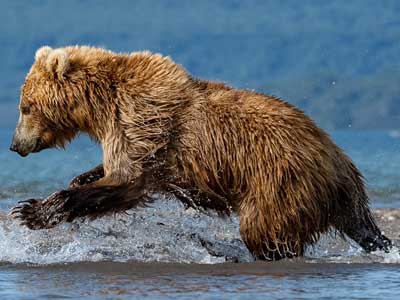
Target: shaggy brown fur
211,145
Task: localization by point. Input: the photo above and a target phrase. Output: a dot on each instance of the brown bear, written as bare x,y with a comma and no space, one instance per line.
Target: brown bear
212,146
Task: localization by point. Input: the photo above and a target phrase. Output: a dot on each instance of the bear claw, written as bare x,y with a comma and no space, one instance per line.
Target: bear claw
41,214
28,214
30,201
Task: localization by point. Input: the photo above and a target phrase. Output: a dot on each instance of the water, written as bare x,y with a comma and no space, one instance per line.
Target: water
167,252
283,280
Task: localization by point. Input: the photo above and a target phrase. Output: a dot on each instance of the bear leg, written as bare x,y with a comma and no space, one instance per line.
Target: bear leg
200,200
88,177
362,229
91,201
264,246
271,252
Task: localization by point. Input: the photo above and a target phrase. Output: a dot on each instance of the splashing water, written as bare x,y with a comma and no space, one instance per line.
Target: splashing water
163,232
331,248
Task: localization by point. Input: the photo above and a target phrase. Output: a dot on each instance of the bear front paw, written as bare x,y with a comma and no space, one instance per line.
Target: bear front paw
41,214
29,212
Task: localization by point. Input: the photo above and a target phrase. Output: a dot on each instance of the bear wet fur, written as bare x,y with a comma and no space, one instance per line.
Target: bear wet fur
210,145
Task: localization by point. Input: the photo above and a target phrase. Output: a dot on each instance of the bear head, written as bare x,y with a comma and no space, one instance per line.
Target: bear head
48,104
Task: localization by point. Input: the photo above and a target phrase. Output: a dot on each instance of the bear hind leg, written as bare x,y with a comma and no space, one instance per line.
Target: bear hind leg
354,218
364,231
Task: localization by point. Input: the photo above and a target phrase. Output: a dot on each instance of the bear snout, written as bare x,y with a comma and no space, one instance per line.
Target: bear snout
24,147
15,147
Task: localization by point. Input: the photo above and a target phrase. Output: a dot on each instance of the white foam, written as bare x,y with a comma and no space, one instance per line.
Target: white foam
393,257
164,232
332,248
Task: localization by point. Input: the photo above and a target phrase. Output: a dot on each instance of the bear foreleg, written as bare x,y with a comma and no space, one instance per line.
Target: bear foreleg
88,177
91,201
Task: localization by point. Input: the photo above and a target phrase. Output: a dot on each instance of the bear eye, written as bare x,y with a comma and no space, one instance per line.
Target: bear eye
26,110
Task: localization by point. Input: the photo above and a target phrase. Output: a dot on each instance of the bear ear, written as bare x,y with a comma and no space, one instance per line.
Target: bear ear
42,53
57,63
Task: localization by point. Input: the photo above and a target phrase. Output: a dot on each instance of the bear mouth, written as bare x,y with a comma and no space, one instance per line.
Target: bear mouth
39,146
